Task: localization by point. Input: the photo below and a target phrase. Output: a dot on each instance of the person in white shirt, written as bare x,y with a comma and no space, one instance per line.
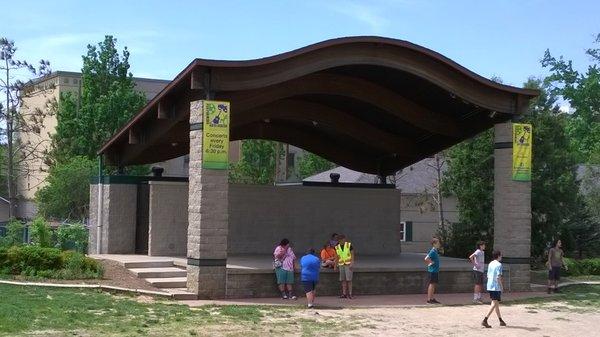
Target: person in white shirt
494,287
478,261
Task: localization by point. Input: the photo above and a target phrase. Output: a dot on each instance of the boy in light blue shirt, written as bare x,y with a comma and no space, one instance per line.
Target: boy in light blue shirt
494,287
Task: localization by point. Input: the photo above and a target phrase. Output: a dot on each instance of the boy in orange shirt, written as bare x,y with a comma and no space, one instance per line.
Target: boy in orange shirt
328,254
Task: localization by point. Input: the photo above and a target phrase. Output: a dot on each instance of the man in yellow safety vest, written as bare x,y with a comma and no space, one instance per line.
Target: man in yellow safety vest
345,261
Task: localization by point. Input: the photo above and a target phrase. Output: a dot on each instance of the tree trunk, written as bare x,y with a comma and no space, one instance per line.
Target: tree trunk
439,193
9,135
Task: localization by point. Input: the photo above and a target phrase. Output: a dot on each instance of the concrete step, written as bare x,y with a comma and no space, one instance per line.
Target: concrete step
148,264
181,294
158,272
169,282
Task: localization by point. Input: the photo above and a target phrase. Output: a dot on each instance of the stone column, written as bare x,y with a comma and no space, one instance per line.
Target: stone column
208,219
512,213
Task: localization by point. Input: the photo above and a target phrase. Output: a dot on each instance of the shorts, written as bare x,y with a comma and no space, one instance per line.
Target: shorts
284,276
554,274
433,278
478,277
309,286
495,295
345,273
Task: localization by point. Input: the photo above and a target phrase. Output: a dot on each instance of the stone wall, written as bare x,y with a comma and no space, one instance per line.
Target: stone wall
422,211
118,218
243,284
260,216
168,218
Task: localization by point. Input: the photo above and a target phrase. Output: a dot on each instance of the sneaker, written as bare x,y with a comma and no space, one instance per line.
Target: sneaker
502,323
485,324
350,297
549,290
293,297
343,296
310,305
479,301
434,301
284,296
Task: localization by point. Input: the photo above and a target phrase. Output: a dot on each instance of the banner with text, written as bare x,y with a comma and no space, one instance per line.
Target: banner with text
522,144
215,135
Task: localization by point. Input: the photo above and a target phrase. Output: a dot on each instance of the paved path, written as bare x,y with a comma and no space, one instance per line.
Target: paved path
378,301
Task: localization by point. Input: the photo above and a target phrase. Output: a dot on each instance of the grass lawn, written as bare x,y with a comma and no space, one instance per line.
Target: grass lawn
38,311
575,298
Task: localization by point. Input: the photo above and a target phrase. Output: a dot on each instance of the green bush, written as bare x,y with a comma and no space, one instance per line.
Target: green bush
14,233
78,266
29,260
41,233
583,267
42,262
73,237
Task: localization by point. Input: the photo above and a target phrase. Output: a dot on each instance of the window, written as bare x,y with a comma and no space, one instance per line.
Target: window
406,231
403,231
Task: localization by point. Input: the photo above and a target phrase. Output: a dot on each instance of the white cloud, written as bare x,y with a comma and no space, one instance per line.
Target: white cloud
368,15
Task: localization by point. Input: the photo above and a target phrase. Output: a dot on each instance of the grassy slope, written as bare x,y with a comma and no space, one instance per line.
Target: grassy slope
59,312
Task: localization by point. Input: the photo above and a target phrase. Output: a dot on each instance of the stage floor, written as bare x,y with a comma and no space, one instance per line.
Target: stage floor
253,275
263,263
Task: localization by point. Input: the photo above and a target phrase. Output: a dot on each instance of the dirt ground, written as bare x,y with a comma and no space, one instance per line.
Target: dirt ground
523,320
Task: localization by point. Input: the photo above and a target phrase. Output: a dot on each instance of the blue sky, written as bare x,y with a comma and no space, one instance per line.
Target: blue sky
493,38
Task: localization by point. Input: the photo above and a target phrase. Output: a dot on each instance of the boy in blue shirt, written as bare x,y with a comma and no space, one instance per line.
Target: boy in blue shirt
309,275
433,268
494,287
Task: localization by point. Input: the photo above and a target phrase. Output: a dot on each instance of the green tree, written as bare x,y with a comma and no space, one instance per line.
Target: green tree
311,164
66,196
108,100
470,177
257,163
582,92
555,198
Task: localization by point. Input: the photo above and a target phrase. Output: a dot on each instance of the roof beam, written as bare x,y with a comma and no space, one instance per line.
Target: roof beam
329,118
154,131
311,141
351,87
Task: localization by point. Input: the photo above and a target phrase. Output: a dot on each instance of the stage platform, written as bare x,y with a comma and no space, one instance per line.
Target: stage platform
253,275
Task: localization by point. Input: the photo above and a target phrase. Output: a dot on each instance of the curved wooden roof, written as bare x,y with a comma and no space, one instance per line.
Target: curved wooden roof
368,103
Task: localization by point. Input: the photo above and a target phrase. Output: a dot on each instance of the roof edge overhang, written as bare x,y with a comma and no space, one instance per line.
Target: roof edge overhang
229,76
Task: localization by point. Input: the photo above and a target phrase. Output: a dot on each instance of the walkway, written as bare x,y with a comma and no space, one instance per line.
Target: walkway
377,301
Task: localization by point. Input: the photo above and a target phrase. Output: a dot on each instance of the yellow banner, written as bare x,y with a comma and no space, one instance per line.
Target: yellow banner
522,144
215,135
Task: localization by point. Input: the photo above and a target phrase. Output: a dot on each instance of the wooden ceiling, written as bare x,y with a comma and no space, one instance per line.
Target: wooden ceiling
371,104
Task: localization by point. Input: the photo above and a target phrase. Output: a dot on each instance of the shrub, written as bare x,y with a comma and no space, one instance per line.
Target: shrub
41,233
14,233
78,266
583,267
73,237
29,260
36,261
